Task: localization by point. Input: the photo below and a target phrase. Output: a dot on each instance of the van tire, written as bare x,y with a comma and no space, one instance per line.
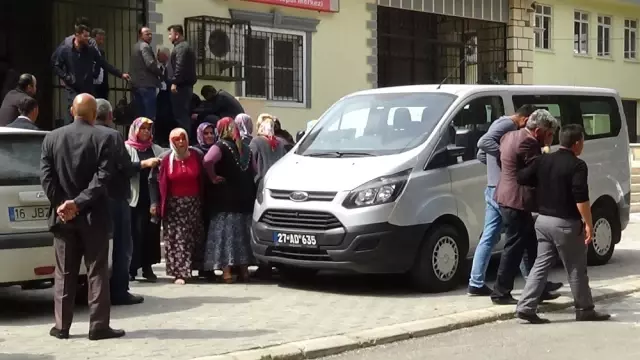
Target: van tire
432,273
606,234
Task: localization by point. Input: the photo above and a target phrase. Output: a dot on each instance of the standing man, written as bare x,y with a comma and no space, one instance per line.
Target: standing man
517,150
75,170
28,108
119,190
563,226
183,65
145,75
26,89
101,82
489,154
77,62
165,122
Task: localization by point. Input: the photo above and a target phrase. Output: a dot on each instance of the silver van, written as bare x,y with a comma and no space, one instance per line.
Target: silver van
387,181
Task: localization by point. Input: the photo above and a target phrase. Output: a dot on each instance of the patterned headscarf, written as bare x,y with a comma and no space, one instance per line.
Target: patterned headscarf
133,139
266,128
200,134
228,131
175,153
244,124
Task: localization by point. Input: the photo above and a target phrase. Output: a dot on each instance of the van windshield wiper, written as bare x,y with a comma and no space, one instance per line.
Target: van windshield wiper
340,154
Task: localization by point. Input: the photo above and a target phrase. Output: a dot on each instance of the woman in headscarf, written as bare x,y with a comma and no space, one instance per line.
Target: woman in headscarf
266,147
145,234
206,136
179,186
283,134
245,127
229,166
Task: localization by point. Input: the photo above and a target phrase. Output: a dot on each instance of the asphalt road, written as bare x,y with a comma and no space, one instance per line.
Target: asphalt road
508,340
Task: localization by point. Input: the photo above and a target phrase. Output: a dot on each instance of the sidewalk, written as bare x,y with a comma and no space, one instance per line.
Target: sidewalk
200,320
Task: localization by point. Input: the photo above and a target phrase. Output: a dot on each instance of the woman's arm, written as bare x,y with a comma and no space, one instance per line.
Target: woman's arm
209,161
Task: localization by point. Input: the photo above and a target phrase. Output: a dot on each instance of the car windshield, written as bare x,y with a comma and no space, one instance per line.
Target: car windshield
376,124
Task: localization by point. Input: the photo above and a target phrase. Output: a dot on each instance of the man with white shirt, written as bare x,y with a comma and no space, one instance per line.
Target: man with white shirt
28,109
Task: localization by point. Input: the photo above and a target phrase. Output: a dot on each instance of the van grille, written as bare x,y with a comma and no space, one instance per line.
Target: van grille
295,219
299,254
313,195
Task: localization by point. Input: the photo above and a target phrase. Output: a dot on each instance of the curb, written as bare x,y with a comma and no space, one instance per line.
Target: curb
336,344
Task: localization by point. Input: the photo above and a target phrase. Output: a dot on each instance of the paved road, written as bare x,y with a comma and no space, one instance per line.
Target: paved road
508,340
183,322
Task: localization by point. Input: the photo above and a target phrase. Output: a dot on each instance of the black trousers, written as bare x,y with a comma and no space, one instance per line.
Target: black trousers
520,239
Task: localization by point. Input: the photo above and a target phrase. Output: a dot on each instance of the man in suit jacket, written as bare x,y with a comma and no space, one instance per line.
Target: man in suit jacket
28,109
26,89
75,170
145,75
183,64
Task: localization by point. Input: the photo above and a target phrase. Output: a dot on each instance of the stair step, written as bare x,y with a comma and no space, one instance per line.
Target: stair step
635,207
635,188
635,170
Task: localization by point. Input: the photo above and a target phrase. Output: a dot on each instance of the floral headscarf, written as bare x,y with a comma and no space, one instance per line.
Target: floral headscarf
228,131
267,128
244,124
175,153
200,134
133,139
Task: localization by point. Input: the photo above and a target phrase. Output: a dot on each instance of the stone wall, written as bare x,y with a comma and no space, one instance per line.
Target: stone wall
520,43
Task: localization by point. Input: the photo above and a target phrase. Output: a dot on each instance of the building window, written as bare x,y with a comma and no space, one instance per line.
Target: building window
630,39
580,32
274,67
604,35
543,27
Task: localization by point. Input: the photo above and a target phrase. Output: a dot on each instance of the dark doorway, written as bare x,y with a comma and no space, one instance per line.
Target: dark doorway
630,108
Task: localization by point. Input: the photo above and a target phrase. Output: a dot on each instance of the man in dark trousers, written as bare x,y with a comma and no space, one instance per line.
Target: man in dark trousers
102,81
28,109
145,75
564,225
26,89
119,192
77,62
183,77
75,170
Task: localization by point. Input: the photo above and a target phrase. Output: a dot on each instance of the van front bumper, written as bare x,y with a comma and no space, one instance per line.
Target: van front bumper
380,248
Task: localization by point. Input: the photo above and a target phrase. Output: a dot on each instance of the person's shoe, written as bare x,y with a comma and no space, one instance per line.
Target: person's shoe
128,299
479,291
504,300
59,334
547,296
104,334
149,275
531,318
591,315
553,286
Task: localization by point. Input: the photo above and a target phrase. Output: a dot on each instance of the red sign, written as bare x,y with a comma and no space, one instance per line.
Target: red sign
317,5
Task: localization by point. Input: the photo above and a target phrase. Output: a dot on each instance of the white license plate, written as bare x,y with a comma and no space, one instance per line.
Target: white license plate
288,239
28,213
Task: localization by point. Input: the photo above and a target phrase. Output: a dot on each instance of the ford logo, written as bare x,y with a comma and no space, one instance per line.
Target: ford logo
299,196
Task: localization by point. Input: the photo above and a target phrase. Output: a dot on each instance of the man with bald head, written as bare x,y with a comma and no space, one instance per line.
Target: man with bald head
75,171
145,75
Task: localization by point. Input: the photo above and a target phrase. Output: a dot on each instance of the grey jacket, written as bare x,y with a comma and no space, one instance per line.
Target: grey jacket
489,147
144,68
264,156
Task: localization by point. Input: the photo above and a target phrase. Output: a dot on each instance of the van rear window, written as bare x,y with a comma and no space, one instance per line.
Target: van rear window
20,159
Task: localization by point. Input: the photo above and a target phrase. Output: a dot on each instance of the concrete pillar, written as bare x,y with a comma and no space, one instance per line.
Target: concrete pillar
520,43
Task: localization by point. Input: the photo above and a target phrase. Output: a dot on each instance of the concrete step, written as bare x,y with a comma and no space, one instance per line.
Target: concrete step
635,197
635,207
635,170
635,188
635,179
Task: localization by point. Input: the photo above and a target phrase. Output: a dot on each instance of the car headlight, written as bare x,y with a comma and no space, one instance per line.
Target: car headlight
260,193
378,191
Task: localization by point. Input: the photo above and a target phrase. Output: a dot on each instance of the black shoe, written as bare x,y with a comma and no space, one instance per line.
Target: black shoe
104,334
531,318
547,296
128,299
479,291
504,300
552,286
591,315
149,275
59,334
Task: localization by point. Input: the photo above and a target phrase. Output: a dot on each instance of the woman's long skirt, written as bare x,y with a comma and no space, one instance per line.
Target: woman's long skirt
228,241
183,235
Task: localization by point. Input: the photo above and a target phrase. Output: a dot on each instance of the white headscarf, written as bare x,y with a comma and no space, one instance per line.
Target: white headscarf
174,150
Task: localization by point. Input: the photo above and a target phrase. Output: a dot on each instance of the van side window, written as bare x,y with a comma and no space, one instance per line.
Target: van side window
558,106
600,116
474,120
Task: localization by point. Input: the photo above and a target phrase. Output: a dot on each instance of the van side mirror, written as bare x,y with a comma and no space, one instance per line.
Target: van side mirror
299,135
446,156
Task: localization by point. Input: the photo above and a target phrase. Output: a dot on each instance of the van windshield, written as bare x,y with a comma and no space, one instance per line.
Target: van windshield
20,159
375,124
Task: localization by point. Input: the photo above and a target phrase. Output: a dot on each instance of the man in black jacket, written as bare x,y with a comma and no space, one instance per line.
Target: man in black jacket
183,64
26,89
28,108
102,81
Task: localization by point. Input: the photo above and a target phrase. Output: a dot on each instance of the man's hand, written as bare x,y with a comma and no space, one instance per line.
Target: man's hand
588,234
149,163
174,88
67,211
153,210
126,76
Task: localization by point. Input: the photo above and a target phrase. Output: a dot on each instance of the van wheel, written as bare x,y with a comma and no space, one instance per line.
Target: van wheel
439,264
296,274
606,233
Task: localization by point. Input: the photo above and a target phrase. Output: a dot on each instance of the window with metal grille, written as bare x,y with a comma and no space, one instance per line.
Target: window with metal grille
604,35
630,39
543,27
274,65
580,32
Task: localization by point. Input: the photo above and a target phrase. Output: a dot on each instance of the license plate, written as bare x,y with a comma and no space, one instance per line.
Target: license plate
288,239
28,213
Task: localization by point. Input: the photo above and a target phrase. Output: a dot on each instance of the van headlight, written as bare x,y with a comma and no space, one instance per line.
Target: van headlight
378,191
260,193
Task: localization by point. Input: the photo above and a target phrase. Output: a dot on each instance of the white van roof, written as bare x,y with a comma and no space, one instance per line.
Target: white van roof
465,90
